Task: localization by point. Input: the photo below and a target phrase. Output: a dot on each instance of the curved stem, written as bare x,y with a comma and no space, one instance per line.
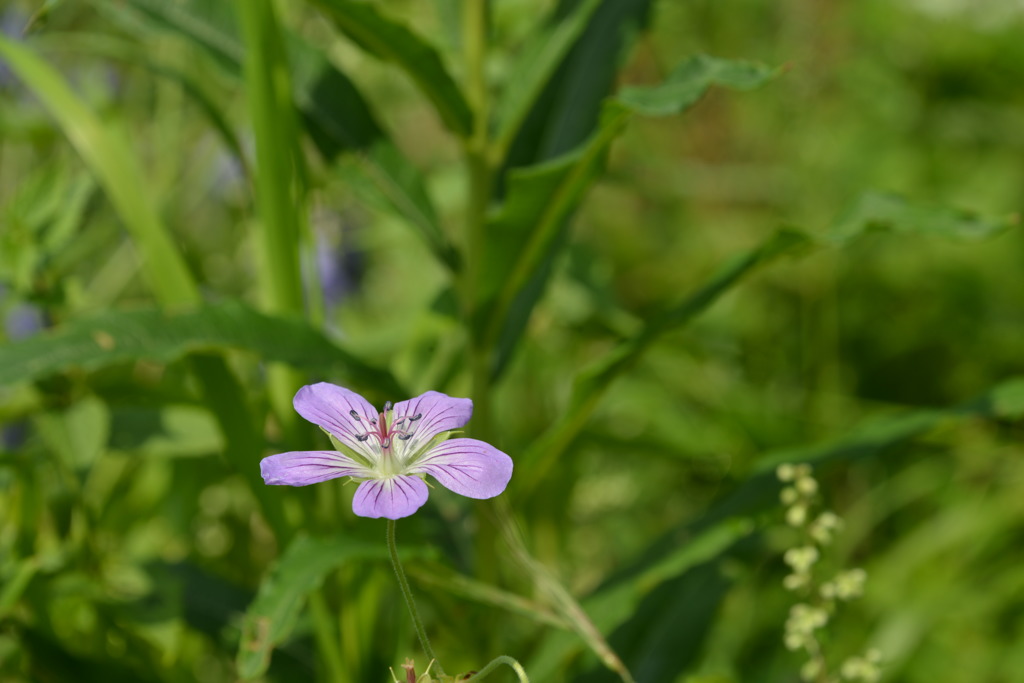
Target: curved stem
498,661
403,583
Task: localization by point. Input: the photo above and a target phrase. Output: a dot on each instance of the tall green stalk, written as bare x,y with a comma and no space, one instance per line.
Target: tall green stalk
279,191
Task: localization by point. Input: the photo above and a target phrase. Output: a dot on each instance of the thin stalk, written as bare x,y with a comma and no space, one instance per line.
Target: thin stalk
279,191
498,661
403,584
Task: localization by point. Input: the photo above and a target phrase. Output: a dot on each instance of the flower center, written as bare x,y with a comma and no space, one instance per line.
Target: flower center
384,433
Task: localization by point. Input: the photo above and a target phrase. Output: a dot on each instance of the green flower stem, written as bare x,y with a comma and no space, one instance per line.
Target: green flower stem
403,583
498,661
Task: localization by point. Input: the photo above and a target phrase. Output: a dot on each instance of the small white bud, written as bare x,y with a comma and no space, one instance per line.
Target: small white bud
810,670
796,515
785,472
807,485
789,495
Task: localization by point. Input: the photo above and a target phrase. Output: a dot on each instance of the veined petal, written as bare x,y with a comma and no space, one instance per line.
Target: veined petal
330,407
394,497
438,413
301,468
469,467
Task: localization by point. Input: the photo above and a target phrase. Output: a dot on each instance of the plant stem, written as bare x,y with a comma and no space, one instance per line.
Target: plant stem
498,661
403,583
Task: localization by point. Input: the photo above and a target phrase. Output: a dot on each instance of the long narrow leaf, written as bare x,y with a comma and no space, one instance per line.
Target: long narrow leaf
391,41
109,155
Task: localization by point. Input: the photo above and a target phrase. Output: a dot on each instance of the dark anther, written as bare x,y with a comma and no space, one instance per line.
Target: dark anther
386,443
362,437
387,406
415,417
404,437
354,414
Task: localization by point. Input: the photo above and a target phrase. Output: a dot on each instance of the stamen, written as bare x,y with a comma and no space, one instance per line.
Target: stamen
355,415
362,437
386,443
404,436
387,406
415,417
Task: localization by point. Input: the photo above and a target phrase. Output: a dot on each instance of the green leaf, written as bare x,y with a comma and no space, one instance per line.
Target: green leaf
109,156
690,80
538,60
876,211
591,385
530,228
390,41
121,336
301,569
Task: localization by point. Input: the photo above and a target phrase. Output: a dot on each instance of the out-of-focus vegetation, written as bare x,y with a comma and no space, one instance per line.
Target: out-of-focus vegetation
204,205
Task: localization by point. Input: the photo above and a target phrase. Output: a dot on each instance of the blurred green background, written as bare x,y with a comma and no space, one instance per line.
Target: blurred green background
131,547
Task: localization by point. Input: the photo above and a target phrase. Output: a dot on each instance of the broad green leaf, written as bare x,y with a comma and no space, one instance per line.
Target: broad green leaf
122,336
390,41
612,606
110,157
538,60
301,569
530,228
591,385
875,211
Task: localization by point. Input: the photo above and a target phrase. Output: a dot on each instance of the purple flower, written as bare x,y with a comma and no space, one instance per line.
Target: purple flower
391,451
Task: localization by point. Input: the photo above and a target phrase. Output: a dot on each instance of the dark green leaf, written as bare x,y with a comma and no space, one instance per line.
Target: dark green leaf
160,336
391,41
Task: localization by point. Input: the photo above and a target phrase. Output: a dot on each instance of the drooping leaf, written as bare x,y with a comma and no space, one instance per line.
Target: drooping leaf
391,41
116,337
301,569
876,211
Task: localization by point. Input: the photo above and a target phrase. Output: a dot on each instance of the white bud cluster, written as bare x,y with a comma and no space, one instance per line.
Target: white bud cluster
800,496
864,668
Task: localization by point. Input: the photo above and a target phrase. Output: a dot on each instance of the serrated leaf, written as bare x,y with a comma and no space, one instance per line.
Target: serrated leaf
882,212
391,41
121,336
273,613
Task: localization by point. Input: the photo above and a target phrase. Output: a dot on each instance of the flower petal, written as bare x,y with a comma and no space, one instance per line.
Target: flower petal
438,413
301,468
469,467
331,406
394,497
